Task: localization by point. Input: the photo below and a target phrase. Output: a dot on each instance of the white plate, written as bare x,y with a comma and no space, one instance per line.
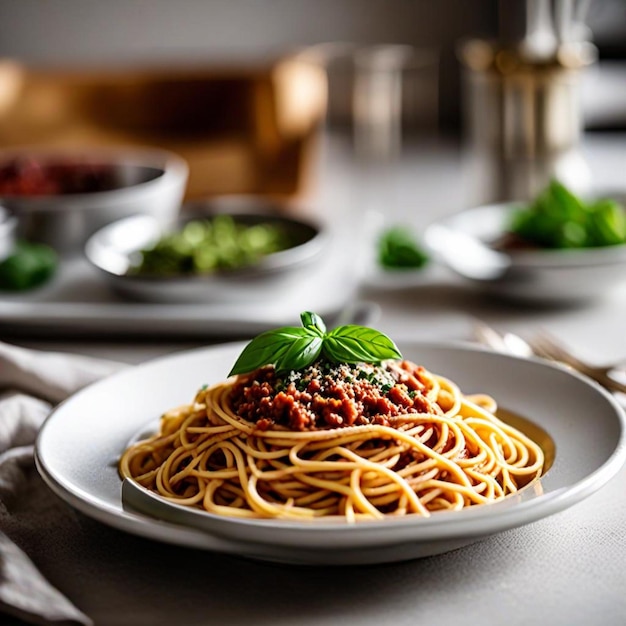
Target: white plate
80,443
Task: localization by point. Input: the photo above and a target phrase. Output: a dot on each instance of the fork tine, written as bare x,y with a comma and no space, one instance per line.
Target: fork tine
546,347
553,350
612,384
540,350
594,371
549,348
488,336
505,342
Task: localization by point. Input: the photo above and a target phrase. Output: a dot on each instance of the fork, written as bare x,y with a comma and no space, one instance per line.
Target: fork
550,349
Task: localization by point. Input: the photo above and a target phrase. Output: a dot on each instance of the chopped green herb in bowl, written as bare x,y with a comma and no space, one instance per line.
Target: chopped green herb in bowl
237,257
206,245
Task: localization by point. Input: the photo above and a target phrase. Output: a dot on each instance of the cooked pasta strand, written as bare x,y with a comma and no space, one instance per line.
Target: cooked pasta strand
208,457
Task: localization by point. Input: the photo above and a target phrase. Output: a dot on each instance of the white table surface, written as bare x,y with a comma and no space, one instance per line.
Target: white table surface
566,570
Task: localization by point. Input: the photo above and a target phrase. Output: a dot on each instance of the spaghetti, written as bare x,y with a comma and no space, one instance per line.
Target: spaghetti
429,448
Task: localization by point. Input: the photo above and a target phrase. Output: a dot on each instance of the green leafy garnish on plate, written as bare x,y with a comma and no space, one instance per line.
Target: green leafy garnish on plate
557,218
29,265
294,348
398,249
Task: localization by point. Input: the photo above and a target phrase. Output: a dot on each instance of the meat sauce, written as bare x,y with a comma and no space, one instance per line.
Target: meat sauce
30,177
326,395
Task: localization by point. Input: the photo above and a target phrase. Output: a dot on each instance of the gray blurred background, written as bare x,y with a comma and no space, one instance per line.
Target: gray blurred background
80,33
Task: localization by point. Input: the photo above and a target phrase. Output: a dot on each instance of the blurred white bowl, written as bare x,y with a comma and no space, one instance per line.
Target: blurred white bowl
8,226
113,250
463,242
144,181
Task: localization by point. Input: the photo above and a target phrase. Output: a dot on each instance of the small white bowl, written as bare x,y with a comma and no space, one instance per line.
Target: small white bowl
113,250
145,181
463,242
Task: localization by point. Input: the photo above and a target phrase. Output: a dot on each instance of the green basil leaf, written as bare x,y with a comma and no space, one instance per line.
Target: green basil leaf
292,348
301,352
314,322
353,344
267,348
563,202
557,218
607,225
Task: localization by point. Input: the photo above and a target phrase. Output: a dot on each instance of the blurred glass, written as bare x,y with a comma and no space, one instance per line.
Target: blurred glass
394,85
394,105
377,100
382,100
380,97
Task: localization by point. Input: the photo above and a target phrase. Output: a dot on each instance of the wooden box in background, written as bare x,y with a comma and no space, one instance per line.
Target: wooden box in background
243,130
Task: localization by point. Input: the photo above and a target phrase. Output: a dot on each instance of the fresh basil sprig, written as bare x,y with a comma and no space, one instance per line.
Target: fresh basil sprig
293,348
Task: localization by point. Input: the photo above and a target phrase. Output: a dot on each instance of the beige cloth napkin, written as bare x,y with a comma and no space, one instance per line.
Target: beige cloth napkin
31,383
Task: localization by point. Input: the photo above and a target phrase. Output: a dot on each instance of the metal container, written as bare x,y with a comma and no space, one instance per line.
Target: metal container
523,119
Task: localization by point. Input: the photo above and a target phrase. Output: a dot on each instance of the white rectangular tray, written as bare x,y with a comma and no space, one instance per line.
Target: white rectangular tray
78,301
